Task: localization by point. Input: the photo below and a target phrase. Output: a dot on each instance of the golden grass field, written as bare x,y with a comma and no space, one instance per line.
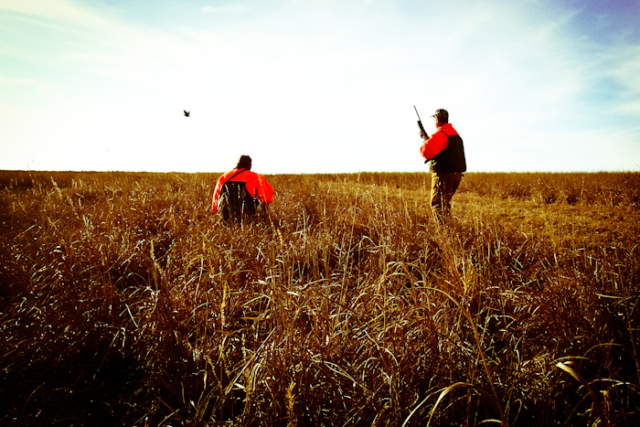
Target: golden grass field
124,301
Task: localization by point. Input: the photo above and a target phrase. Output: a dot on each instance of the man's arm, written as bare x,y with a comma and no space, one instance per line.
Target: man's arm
216,193
265,190
259,187
433,146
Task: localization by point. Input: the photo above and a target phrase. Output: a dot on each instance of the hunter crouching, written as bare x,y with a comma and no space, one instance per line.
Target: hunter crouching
241,194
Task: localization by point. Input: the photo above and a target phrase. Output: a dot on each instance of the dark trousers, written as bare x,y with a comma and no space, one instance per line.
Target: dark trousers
443,187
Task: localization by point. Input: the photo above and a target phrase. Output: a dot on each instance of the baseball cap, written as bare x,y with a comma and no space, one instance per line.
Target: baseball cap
441,112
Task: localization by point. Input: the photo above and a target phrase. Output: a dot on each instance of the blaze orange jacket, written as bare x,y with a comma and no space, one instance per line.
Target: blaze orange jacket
437,141
445,149
256,185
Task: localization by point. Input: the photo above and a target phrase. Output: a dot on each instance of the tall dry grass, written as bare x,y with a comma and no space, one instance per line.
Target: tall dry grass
125,302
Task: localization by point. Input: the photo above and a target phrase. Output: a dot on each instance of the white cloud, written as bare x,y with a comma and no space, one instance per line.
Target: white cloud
7,81
627,72
91,57
223,9
66,11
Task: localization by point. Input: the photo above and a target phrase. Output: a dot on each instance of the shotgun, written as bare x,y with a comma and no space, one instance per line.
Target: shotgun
426,135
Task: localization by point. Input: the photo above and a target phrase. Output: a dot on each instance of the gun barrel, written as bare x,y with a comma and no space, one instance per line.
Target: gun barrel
414,107
420,123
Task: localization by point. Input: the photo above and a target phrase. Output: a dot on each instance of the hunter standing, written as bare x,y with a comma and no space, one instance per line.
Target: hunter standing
241,192
446,152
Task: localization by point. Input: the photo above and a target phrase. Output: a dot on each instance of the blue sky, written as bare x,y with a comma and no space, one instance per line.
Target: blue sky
317,86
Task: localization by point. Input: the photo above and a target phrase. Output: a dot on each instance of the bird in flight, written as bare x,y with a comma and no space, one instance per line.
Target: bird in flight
186,113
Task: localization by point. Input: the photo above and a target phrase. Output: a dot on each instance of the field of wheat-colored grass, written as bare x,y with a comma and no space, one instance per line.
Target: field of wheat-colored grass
124,301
